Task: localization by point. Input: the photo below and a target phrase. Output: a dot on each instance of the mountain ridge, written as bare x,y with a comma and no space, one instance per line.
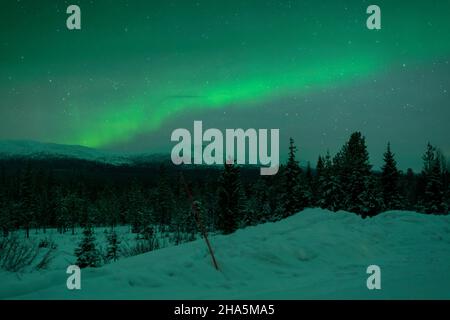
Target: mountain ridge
42,150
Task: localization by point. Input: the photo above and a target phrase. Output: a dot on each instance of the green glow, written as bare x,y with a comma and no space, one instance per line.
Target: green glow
123,125
138,64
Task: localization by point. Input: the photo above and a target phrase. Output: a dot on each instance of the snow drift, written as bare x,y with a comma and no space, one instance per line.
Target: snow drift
313,254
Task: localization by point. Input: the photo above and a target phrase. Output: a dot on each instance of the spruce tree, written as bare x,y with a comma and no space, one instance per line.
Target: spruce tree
410,190
293,197
87,253
446,183
428,159
371,199
61,214
258,206
192,220
230,199
434,192
135,202
262,196
354,173
320,166
319,182
308,186
28,201
109,206
165,201
113,251
328,189
390,181
5,216
71,206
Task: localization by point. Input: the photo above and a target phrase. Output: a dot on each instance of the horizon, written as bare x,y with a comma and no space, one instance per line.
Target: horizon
283,155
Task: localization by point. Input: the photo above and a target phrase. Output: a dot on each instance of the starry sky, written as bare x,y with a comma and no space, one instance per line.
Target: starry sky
137,70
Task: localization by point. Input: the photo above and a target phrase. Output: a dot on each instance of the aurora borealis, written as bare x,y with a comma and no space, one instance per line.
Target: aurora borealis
139,69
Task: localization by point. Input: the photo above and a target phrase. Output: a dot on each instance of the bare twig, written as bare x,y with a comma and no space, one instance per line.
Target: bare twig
199,222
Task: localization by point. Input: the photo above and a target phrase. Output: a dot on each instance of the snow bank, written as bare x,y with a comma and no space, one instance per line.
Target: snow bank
313,254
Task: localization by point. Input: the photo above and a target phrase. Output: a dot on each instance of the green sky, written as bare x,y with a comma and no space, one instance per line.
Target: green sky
138,65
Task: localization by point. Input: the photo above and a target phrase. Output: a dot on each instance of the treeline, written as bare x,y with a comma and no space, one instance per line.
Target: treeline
348,182
43,194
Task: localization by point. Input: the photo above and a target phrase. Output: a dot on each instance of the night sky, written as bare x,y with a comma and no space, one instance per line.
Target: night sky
139,69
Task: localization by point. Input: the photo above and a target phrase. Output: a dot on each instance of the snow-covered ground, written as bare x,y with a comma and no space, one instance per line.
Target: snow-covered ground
313,254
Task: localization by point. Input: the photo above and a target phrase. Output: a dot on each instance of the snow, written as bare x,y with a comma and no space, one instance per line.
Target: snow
315,254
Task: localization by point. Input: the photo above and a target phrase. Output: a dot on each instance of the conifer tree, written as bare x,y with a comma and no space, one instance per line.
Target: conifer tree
113,251
134,209
165,201
354,173
28,201
434,192
293,196
446,183
320,166
258,208
71,206
192,220
308,186
410,190
371,199
390,181
146,222
328,189
263,209
428,159
5,215
319,181
230,199
109,206
87,253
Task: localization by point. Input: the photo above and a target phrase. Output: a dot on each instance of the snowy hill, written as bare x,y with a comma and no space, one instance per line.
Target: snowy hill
38,150
313,254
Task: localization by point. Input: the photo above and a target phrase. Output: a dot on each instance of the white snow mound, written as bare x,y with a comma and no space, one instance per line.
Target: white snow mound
313,254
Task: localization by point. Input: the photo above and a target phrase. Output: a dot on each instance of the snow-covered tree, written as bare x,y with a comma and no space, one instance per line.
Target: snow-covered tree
258,206
113,250
328,185
108,207
70,207
230,199
87,253
390,181
28,200
353,168
409,190
309,186
294,194
6,216
370,201
428,159
165,205
434,192
320,168
433,177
